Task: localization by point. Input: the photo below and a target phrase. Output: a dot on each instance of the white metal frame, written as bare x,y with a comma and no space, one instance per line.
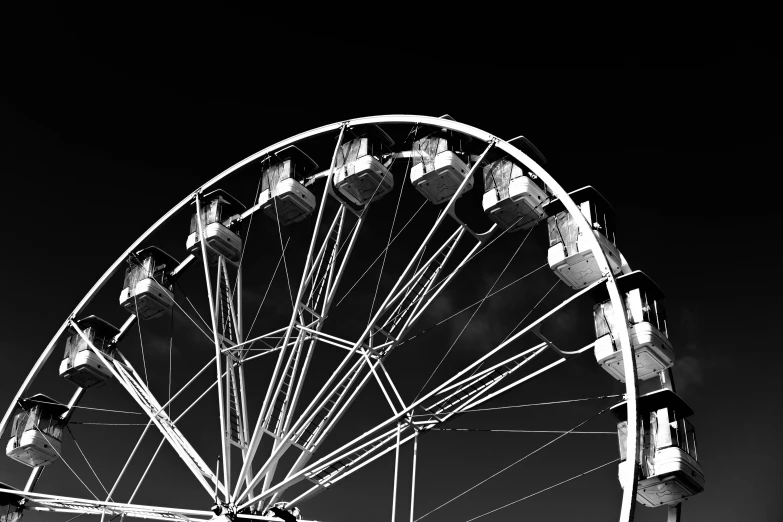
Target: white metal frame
369,357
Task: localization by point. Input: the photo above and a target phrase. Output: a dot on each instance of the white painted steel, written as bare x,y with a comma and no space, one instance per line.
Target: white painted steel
349,447
128,461
256,438
218,355
108,506
183,449
396,473
352,446
413,472
340,405
630,481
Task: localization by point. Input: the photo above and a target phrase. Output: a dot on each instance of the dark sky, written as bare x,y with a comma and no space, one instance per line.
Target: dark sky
106,123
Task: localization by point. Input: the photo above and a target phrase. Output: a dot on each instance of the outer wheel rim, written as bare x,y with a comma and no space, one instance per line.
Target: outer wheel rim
629,479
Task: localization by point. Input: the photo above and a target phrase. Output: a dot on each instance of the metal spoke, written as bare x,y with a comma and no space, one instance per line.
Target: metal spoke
218,362
255,439
271,280
87,461
518,461
285,263
65,462
129,379
386,250
465,326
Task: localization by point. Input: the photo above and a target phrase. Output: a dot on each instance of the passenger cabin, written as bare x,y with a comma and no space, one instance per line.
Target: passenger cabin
359,175
667,458
283,196
81,365
646,319
439,166
216,208
147,291
570,255
514,197
10,505
37,431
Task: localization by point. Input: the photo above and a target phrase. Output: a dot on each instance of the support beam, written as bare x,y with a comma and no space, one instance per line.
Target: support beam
380,382
363,450
130,380
329,130
218,355
413,473
524,379
396,474
78,505
343,386
257,433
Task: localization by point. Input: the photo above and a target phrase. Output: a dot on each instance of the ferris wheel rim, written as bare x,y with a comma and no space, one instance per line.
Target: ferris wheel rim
629,487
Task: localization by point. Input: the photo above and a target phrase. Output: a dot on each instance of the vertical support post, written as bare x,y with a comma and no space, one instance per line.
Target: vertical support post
241,367
217,474
218,354
246,430
240,322
32,480
396,472
257,432
230,310
218,292
674,513
332,259
240,334
227,427
413,484
346,256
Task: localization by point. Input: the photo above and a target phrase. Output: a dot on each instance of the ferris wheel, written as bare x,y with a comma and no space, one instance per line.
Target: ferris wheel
313,276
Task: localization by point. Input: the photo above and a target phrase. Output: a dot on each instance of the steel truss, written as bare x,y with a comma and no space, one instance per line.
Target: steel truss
422,281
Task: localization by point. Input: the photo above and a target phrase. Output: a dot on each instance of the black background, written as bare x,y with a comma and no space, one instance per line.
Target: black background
109,118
